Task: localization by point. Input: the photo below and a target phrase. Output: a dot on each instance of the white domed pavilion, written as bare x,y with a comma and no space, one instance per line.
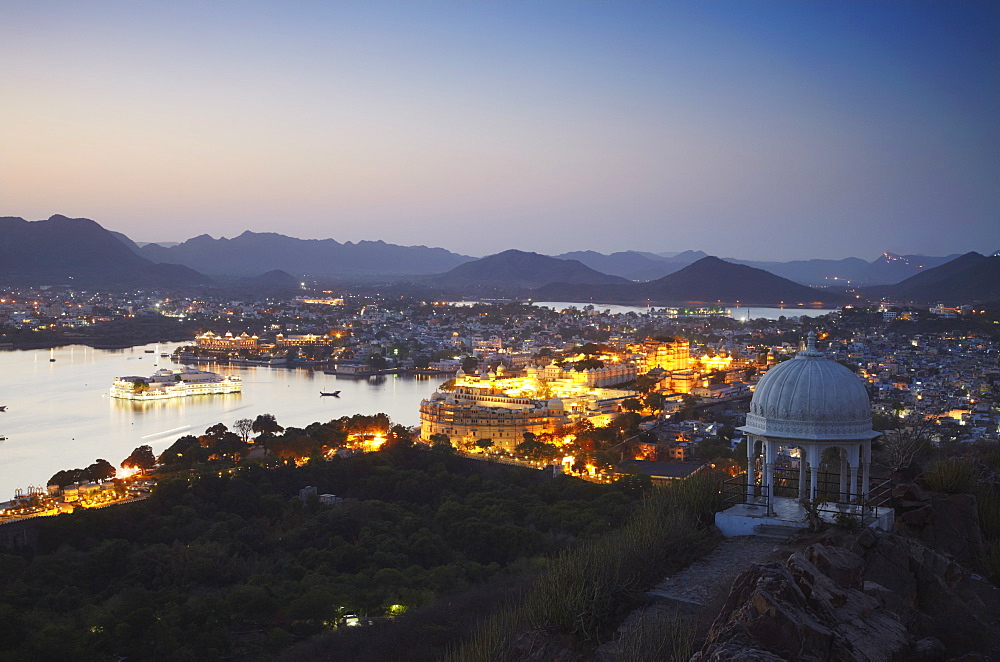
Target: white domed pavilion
812,403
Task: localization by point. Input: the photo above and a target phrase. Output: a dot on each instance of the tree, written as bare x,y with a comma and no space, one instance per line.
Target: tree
903,441
484,443
142,458
266,423
470,364
217,430
590,349
631,404
101,470
230,445
441,442
139,385
654,401
243,427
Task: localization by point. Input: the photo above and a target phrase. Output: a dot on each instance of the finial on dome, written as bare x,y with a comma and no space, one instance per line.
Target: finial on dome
811,346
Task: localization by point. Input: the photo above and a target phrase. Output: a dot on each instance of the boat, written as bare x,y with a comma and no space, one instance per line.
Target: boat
164,355
169,383
149,351
4,407
335,394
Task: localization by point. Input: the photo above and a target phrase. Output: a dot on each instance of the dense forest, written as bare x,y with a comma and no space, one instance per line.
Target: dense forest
233,563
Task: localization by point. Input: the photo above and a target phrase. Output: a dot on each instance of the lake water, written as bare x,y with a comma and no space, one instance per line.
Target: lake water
59,415
741,313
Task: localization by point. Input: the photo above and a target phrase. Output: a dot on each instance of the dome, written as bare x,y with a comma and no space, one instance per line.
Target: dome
810,398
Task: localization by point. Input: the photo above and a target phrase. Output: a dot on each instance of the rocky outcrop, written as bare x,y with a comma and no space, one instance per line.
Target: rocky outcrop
880,597
947,523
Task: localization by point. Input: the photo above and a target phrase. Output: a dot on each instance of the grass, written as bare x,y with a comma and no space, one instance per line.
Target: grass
584,591
658,635
950,476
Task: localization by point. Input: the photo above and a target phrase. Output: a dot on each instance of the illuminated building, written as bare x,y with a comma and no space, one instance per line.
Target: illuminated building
670,355
500,408
305,340
209,340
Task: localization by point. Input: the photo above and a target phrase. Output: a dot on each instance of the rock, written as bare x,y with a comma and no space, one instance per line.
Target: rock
840,565
927,649
918,517
796,611
732,652
910,492
936,596
885,597
946,523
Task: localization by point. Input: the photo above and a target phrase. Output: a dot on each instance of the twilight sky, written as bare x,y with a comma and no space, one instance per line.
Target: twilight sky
758,130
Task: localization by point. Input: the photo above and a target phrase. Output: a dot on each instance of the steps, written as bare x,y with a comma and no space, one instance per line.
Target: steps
775,532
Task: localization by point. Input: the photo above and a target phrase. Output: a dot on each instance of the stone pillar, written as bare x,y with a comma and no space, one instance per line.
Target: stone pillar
803,463
866,468
770,454
751,461
854,457
815,453
845,494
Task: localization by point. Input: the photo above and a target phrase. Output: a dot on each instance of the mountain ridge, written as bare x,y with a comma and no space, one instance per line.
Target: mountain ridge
709,280
79,251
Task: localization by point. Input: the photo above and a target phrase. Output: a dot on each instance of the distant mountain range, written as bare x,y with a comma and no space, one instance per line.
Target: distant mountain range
635,265
969,278
514,269
887,268
709,280
251,253
79,252
62,250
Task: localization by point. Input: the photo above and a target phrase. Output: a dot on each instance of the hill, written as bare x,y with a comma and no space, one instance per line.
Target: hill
707,280
519,269
633,265
80,252
967,278
251,253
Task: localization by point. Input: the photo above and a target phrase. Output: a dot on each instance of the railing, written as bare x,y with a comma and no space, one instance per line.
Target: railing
739,490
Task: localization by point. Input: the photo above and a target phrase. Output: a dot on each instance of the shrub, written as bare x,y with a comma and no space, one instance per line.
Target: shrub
584,589
846,521
657,635
950,476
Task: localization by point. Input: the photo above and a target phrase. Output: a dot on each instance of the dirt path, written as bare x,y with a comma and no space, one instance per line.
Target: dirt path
699,590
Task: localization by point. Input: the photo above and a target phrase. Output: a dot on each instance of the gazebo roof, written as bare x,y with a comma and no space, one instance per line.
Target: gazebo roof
810,398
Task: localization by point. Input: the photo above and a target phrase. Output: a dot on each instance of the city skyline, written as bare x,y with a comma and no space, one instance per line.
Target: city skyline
759,131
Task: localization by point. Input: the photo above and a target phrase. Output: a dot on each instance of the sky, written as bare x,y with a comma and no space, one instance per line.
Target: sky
766,130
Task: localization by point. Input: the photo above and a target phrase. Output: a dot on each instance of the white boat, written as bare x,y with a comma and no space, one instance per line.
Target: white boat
169,383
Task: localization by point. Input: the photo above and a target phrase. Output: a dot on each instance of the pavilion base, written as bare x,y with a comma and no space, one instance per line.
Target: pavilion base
744,519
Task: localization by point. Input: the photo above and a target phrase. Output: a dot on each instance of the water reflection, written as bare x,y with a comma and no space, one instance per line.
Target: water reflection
59,415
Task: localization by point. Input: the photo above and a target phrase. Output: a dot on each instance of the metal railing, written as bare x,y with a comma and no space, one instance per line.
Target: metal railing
738,490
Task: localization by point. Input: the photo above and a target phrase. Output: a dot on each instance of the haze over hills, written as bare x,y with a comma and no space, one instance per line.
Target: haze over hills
63,250
970,277
635,265
251,253
708,280
887,268
514,269
80,252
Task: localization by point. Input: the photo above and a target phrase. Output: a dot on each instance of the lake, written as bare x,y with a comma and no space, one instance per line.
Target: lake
741,313
59,415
